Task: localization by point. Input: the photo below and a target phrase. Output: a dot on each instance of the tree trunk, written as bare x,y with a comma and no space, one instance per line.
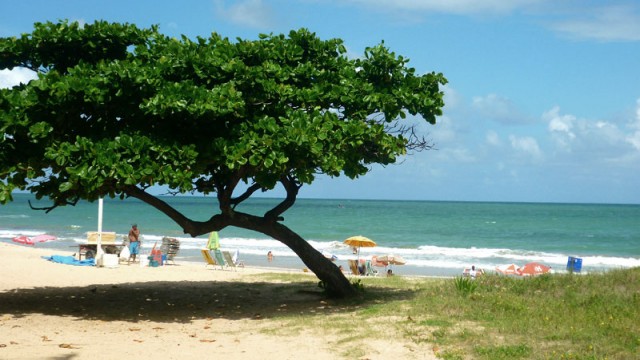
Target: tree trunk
334,280
336,284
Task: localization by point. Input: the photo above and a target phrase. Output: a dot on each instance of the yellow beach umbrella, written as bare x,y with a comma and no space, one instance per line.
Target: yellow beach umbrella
360,241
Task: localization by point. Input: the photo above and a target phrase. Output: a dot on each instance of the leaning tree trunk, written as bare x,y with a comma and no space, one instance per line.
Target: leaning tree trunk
335,282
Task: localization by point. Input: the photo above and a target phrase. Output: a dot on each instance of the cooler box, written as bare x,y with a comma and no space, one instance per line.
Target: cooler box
110,260
574,264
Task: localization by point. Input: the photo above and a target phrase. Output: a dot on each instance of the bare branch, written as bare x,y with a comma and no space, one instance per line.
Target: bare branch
247,194
415,141
47,209
292,186
187,224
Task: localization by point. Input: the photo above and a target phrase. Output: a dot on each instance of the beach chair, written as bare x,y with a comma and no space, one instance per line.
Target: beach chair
236,259
208,259
370,271
219,258
170,247
229,260
353,265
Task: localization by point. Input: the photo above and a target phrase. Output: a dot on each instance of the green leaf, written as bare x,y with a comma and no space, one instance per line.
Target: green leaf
65,186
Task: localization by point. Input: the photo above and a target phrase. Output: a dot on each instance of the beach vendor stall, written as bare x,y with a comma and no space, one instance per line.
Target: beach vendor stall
90,249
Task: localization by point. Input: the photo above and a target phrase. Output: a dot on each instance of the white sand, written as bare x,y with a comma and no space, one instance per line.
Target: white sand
56,311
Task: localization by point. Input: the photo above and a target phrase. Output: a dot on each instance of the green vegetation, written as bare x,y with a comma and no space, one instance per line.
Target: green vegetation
465,285
556,316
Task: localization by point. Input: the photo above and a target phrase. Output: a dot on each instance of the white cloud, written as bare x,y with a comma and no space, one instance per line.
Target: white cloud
561,127
445,130
498,108
455,154
452,98
613,23
493,139
594,140
634,137
9,78
526,145
460,7
252,13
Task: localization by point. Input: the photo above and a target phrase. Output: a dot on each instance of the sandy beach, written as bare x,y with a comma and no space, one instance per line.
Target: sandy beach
56,311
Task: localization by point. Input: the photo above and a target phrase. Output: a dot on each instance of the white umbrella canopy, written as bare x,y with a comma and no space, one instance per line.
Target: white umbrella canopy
392,259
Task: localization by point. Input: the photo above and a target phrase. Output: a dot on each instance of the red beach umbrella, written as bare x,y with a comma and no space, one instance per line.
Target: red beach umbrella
43,238
23,239
533,269
509,269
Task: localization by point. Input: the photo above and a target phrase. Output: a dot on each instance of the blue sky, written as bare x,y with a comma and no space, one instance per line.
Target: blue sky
542,105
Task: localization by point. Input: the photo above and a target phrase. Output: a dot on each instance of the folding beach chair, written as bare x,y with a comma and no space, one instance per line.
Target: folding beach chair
229,260
353,265
219,258
208,259
370,271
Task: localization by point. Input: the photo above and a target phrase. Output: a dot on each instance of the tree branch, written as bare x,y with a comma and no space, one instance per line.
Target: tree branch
189,226
47,209
292,187
247,194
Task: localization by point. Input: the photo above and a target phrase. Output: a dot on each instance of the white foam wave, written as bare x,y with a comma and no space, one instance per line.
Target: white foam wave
423,256
15,216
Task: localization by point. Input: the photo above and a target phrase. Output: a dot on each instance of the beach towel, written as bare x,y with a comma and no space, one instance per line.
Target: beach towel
69,260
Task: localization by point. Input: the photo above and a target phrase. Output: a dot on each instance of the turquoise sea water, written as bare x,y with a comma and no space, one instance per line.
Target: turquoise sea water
435,238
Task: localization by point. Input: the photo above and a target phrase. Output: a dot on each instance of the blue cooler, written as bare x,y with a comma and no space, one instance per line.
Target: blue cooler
574,264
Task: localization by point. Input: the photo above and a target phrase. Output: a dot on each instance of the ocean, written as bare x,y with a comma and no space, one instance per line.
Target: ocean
436,238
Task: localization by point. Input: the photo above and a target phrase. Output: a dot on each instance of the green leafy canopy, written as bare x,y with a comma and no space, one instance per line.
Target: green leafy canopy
116,106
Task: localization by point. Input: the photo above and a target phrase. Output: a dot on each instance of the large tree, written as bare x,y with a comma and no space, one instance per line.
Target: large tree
116,109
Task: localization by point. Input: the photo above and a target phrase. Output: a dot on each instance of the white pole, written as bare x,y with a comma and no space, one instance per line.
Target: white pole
99,252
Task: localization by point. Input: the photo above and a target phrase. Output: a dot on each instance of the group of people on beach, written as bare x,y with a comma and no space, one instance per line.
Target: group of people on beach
134,248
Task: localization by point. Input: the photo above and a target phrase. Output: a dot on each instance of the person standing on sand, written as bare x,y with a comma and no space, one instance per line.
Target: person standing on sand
134,242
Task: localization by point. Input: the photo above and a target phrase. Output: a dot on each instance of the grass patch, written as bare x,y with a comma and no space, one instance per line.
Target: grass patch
557,316
465,285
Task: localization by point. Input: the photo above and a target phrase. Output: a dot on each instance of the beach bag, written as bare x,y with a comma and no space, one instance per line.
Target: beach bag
125,253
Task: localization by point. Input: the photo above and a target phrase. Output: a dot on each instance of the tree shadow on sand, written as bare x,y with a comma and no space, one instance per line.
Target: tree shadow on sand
182,302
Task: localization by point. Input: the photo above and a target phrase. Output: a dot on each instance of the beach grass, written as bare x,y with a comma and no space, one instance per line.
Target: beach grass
556,316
